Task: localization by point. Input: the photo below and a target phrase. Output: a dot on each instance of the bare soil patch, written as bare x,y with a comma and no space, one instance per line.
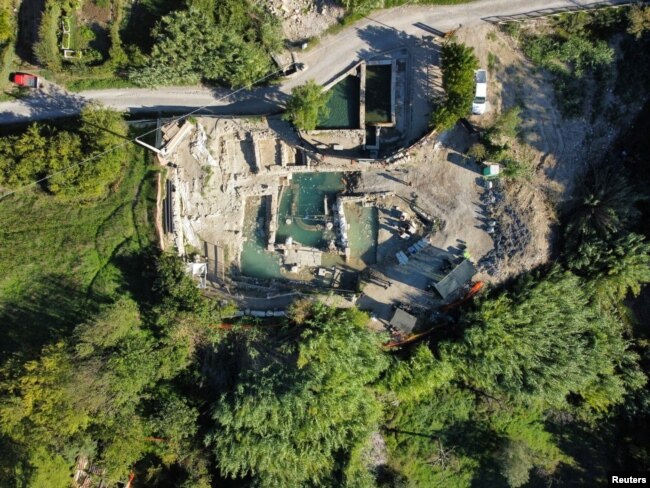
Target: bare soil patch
559,149
91,13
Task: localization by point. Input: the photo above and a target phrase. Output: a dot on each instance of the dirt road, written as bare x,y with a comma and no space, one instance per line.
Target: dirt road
382,31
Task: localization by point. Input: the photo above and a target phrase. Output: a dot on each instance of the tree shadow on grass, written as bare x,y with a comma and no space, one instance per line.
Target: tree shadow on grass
47,311
138,268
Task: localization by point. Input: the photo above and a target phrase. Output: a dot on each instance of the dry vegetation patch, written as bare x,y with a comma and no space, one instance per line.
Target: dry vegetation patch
557,148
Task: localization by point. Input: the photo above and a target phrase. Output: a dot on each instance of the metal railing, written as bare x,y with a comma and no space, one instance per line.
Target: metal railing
550,12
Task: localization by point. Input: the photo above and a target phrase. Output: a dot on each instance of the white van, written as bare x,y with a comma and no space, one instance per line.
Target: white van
480,97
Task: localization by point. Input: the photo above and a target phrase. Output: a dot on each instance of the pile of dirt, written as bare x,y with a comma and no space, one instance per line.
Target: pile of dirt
303,19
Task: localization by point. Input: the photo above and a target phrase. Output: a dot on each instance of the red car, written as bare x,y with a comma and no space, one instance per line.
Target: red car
25,79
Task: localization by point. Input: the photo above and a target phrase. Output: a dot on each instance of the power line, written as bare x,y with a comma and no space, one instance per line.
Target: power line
184,116
116,146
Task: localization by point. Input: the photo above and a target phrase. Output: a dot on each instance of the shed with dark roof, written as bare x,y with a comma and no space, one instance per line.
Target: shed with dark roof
403,321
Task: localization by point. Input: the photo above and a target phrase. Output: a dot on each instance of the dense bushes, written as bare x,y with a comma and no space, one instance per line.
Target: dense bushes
6,22
580,53
105,392
499,144
225,44
47,48
639,17
575,49
42,150
569,61
366,6
7,35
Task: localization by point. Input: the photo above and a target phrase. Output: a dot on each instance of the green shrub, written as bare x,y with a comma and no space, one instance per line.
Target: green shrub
6,60
639,19
41,151
493,62
506,125
98,83
47,48
515,169
443,118
477,151
513,29
367,6
569,55
191,47
6,27
579,53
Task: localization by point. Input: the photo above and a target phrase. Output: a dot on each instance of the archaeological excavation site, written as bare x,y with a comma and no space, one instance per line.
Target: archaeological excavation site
245,195
371,208
262,216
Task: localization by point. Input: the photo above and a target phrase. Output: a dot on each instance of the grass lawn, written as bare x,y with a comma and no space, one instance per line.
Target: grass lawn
59,261
98,83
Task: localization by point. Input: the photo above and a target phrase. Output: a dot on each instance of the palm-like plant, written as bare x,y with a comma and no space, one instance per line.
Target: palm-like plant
603,206
625,268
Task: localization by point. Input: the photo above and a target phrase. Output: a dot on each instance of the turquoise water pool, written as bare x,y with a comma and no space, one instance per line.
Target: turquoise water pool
362,234
343,105
302,203
255,260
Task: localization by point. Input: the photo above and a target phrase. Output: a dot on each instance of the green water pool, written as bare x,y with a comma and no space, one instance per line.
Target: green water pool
378,93
343,105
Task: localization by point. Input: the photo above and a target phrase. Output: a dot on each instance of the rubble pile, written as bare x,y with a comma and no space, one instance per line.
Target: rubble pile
302,19
509,232
199,149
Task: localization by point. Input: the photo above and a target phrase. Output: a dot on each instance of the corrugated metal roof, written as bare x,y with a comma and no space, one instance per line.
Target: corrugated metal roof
460,275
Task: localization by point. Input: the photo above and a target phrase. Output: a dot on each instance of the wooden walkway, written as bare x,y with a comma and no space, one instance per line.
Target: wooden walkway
216,265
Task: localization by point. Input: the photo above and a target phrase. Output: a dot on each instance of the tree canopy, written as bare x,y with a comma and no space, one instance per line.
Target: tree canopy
542,342
91,394
458,63
295,405
602,206
45,151
307,106
215,42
